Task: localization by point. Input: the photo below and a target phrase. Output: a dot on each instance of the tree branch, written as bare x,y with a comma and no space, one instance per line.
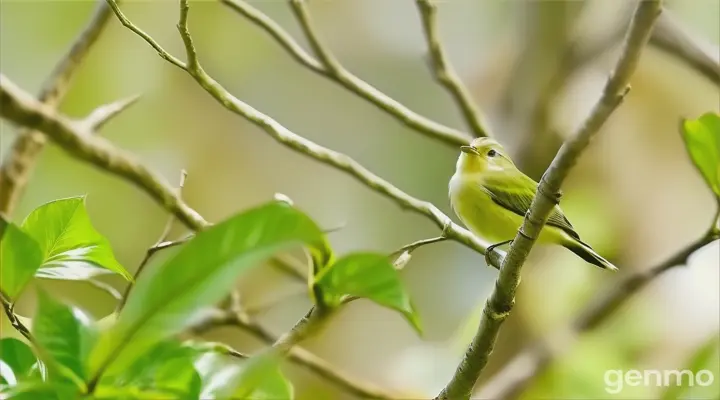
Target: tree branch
72,136
445,73
335,72
326,156
670,36
19,163
518,374
501,301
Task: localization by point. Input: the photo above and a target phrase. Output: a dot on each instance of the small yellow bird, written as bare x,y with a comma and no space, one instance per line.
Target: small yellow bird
491,196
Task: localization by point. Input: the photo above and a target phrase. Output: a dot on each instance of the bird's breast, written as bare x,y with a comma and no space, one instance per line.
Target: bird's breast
479,213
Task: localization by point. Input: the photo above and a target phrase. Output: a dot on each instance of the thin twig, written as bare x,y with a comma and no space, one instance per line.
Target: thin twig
338,74
14,320
445,73
161,241
335,159
502,298
103,114
670,36
19,163
516,376
72,136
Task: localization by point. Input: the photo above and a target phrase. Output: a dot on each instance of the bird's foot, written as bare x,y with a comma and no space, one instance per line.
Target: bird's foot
491,248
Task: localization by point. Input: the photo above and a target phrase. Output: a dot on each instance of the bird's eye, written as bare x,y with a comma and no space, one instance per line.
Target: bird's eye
492,153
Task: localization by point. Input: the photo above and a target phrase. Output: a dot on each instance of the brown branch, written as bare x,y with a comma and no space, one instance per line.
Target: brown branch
75,138
18,165
445,73
502,298
329,68
304,146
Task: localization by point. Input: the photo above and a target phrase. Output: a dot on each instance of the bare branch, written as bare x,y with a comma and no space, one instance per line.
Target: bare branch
19,107
669,35
502,299
155,45
335,159
103,114
338,74
516,376
161,243
445,73
19,163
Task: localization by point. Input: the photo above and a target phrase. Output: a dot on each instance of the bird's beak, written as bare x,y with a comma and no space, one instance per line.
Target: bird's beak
469,150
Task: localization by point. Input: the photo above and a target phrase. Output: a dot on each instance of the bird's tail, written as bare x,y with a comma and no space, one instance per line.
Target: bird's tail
584,251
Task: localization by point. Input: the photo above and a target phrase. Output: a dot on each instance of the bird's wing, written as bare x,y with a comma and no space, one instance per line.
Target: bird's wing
518,196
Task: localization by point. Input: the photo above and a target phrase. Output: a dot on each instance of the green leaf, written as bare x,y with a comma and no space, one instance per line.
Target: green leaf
18,358
257,378
20,257
261,379
367,275
203,271
215,370
72,249
65,336
39,390
167,368
702,139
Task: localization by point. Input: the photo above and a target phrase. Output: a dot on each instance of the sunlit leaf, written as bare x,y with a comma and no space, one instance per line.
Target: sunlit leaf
72,248
16,361
702,139
20,257
370,276
39,390
257,378
202,272
262,380
215,370
166,368
65,335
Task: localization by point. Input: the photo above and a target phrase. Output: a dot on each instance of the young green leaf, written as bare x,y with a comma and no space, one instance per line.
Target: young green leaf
257,378
65,335
39,390
702,139
166,368
72,249
370,276
20,257
263,382
201,273
18,360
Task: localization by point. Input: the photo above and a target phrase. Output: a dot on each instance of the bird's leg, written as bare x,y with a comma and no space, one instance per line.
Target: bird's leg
492,247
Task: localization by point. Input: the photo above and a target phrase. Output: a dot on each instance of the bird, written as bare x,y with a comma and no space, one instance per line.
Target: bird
491,196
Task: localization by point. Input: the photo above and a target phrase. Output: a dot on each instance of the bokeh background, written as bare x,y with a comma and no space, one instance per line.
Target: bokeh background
634,195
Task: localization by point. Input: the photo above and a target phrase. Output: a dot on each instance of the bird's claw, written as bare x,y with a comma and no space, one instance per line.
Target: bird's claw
491,248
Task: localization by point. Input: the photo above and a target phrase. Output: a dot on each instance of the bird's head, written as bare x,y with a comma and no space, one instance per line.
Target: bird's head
483,155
